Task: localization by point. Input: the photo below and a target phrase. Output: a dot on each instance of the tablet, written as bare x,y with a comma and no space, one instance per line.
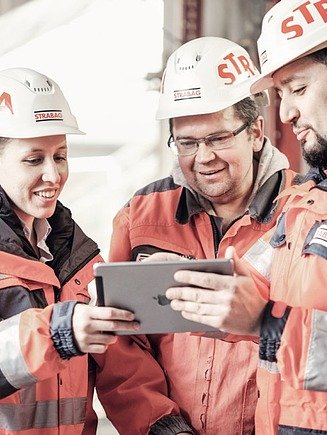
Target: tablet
140,287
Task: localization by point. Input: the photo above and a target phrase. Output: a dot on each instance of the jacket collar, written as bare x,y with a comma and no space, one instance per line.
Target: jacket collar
12,237
70,247
314,174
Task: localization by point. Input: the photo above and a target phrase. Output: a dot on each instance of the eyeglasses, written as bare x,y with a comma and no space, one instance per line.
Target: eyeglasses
215,141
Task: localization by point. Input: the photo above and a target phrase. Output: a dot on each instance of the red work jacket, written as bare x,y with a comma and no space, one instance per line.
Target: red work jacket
208,382
289,265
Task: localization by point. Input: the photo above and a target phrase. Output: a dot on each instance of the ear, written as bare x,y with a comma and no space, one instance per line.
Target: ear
258,134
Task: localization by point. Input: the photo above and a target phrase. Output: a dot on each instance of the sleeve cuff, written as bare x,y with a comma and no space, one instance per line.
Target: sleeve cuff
271,331
61,330
170,425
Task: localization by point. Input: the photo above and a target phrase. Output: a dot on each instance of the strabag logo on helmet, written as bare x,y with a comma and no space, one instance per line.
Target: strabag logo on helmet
48,115
187,94
235,66
304,15
5,102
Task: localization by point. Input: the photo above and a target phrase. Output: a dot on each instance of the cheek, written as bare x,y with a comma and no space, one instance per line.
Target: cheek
63,174
239,164
64,178
16,192
186,165
232,160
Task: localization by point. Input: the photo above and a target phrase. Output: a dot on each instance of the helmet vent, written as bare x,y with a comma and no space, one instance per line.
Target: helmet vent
186,62
40,87
184,68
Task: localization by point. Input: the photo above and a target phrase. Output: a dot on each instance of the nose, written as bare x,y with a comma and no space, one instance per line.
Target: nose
288,111
51,173
204,154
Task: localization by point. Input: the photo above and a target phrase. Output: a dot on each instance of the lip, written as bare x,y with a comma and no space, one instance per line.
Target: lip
45,198
301,134
211,172
211,176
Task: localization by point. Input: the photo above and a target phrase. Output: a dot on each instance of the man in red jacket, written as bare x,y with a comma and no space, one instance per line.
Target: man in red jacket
221,191
288,264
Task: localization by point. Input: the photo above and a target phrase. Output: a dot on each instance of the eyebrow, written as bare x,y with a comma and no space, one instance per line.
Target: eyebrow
34,150
289,80
208,135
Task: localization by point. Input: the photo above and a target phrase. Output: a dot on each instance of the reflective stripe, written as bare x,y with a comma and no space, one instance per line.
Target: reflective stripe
271,367
12,363
3,276
28,395
315,377
42,414
260,257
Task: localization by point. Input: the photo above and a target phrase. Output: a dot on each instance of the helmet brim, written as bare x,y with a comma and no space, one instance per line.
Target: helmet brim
265,81
43,132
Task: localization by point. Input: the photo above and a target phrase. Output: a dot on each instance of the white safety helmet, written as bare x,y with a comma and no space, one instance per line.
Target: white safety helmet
290,30
32,105
206,75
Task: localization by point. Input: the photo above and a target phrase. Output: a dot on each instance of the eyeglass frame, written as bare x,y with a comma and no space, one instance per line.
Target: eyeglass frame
206,140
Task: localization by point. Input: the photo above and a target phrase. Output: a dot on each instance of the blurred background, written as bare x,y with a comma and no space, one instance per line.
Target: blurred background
108,58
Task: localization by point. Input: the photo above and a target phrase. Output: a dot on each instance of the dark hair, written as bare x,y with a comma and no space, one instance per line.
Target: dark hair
319,56
245,110
171,125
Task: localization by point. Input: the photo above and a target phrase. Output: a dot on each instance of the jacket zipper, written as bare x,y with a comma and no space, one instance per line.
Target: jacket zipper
216,235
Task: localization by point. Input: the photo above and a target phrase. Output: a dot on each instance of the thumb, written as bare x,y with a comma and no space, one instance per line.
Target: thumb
162,256
279,309
239,267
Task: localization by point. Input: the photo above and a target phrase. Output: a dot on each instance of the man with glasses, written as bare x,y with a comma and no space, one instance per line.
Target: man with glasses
221,191
215,141
289,262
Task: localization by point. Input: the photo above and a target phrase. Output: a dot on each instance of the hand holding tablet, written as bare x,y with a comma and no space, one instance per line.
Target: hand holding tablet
141,286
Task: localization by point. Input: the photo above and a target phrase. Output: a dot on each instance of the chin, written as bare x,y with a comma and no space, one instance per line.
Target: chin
46,214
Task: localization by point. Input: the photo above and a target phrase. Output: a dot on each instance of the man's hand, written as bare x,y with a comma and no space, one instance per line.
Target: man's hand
229,303
92,326
163,256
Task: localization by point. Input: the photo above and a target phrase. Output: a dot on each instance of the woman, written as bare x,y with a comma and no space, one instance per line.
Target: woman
45,266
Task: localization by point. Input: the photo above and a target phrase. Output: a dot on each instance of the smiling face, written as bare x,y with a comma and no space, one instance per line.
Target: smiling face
33,172
220,176
302,86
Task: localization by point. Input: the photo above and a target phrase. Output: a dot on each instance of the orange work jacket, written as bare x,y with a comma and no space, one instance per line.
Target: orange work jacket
289,265
188,382
40,392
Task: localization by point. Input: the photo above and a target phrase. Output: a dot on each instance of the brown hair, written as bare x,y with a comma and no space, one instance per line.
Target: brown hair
245,110
319,56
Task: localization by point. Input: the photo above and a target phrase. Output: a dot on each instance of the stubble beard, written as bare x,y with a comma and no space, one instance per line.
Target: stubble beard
220,191
316,157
